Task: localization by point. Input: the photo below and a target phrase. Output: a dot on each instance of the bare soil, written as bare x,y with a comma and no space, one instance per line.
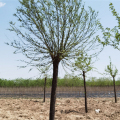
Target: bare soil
66,109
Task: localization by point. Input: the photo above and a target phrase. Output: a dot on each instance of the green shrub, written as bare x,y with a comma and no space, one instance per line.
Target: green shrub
67,81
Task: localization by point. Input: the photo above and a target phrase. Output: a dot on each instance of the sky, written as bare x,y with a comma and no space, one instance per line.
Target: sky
10,61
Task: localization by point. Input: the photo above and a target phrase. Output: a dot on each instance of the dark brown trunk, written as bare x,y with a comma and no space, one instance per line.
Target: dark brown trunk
85,92
53,90
114,89
44,89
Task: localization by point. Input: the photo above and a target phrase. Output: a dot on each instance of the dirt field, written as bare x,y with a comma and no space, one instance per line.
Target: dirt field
66,109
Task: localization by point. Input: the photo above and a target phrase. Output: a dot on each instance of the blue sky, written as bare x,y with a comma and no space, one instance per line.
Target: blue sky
9,61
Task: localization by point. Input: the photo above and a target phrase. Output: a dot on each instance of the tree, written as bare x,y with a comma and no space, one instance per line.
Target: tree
111,36
53,31
113,74
44,70
83,63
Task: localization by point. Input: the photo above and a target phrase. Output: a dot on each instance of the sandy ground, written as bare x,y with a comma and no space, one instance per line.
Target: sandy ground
66,109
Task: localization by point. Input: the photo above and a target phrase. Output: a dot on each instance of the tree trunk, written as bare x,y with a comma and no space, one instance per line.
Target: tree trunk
114,89
85,92
53,90
44,89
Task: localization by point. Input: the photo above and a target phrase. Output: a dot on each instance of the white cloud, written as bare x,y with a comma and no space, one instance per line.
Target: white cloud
2,4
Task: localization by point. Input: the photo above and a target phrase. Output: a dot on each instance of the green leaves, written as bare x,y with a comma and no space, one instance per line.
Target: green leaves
110,70
83,63
54,29
111,36
44,70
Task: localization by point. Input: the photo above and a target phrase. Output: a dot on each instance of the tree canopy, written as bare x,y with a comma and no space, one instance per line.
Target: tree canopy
110,70
83,63
111,36
51,29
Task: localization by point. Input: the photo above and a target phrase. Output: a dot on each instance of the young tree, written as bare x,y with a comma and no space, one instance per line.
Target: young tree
44,70
83,63
52,31
113,74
